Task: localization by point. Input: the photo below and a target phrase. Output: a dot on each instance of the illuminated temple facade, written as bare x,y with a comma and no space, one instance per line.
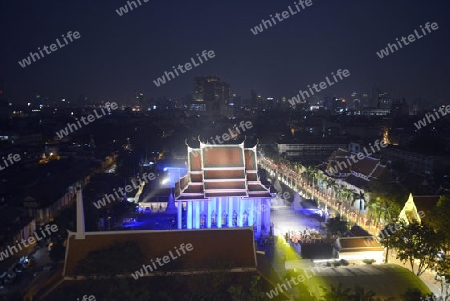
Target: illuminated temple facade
222,190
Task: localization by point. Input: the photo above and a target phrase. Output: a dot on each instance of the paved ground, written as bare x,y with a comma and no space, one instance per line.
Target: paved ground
427,277
389,280
285,219
27,277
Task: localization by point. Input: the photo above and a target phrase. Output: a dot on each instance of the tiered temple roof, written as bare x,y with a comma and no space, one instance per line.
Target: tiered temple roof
221,171
356,173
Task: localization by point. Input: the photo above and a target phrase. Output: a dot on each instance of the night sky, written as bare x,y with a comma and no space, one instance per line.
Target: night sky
119,55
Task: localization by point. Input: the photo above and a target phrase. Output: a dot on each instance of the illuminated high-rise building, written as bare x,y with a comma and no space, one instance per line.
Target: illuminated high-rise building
210,94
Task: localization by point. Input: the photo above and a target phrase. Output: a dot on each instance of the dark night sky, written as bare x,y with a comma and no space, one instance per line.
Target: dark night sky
118,55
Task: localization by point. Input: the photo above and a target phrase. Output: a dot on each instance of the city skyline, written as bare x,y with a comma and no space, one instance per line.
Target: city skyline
120,55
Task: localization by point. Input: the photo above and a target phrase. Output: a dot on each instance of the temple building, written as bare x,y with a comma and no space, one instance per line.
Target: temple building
222,189
417,208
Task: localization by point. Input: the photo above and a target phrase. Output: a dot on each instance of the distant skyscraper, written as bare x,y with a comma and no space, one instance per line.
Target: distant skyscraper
328,102
253,98
381,100
365,99
384,100
375,94
400,108
140,98
210,94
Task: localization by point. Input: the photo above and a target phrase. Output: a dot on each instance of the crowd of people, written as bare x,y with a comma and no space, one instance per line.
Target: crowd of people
307,236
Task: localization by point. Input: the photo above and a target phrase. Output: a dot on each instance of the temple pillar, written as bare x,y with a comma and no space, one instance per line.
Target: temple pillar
266,219
189,215
209,213
230,212
250,210
180,214
241,212
258,218
197,215
219,213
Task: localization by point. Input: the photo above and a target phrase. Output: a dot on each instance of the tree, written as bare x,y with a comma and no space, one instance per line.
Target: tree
346,294
416,242
111,261
387,237
443,276
253,293
336,226
303,290
386,189
439,220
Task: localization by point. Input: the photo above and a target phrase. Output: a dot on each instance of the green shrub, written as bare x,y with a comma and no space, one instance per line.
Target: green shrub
369,261
336,263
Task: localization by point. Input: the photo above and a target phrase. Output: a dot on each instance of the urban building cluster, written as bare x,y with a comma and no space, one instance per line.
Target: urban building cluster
197,183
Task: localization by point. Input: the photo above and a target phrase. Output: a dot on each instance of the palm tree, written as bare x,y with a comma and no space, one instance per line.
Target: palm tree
326,184
373,209
312,170
321,180
346,196
353,198
361,199
306,175
335,187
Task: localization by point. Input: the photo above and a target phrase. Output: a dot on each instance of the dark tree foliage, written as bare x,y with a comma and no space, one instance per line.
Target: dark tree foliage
112,261
336,226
